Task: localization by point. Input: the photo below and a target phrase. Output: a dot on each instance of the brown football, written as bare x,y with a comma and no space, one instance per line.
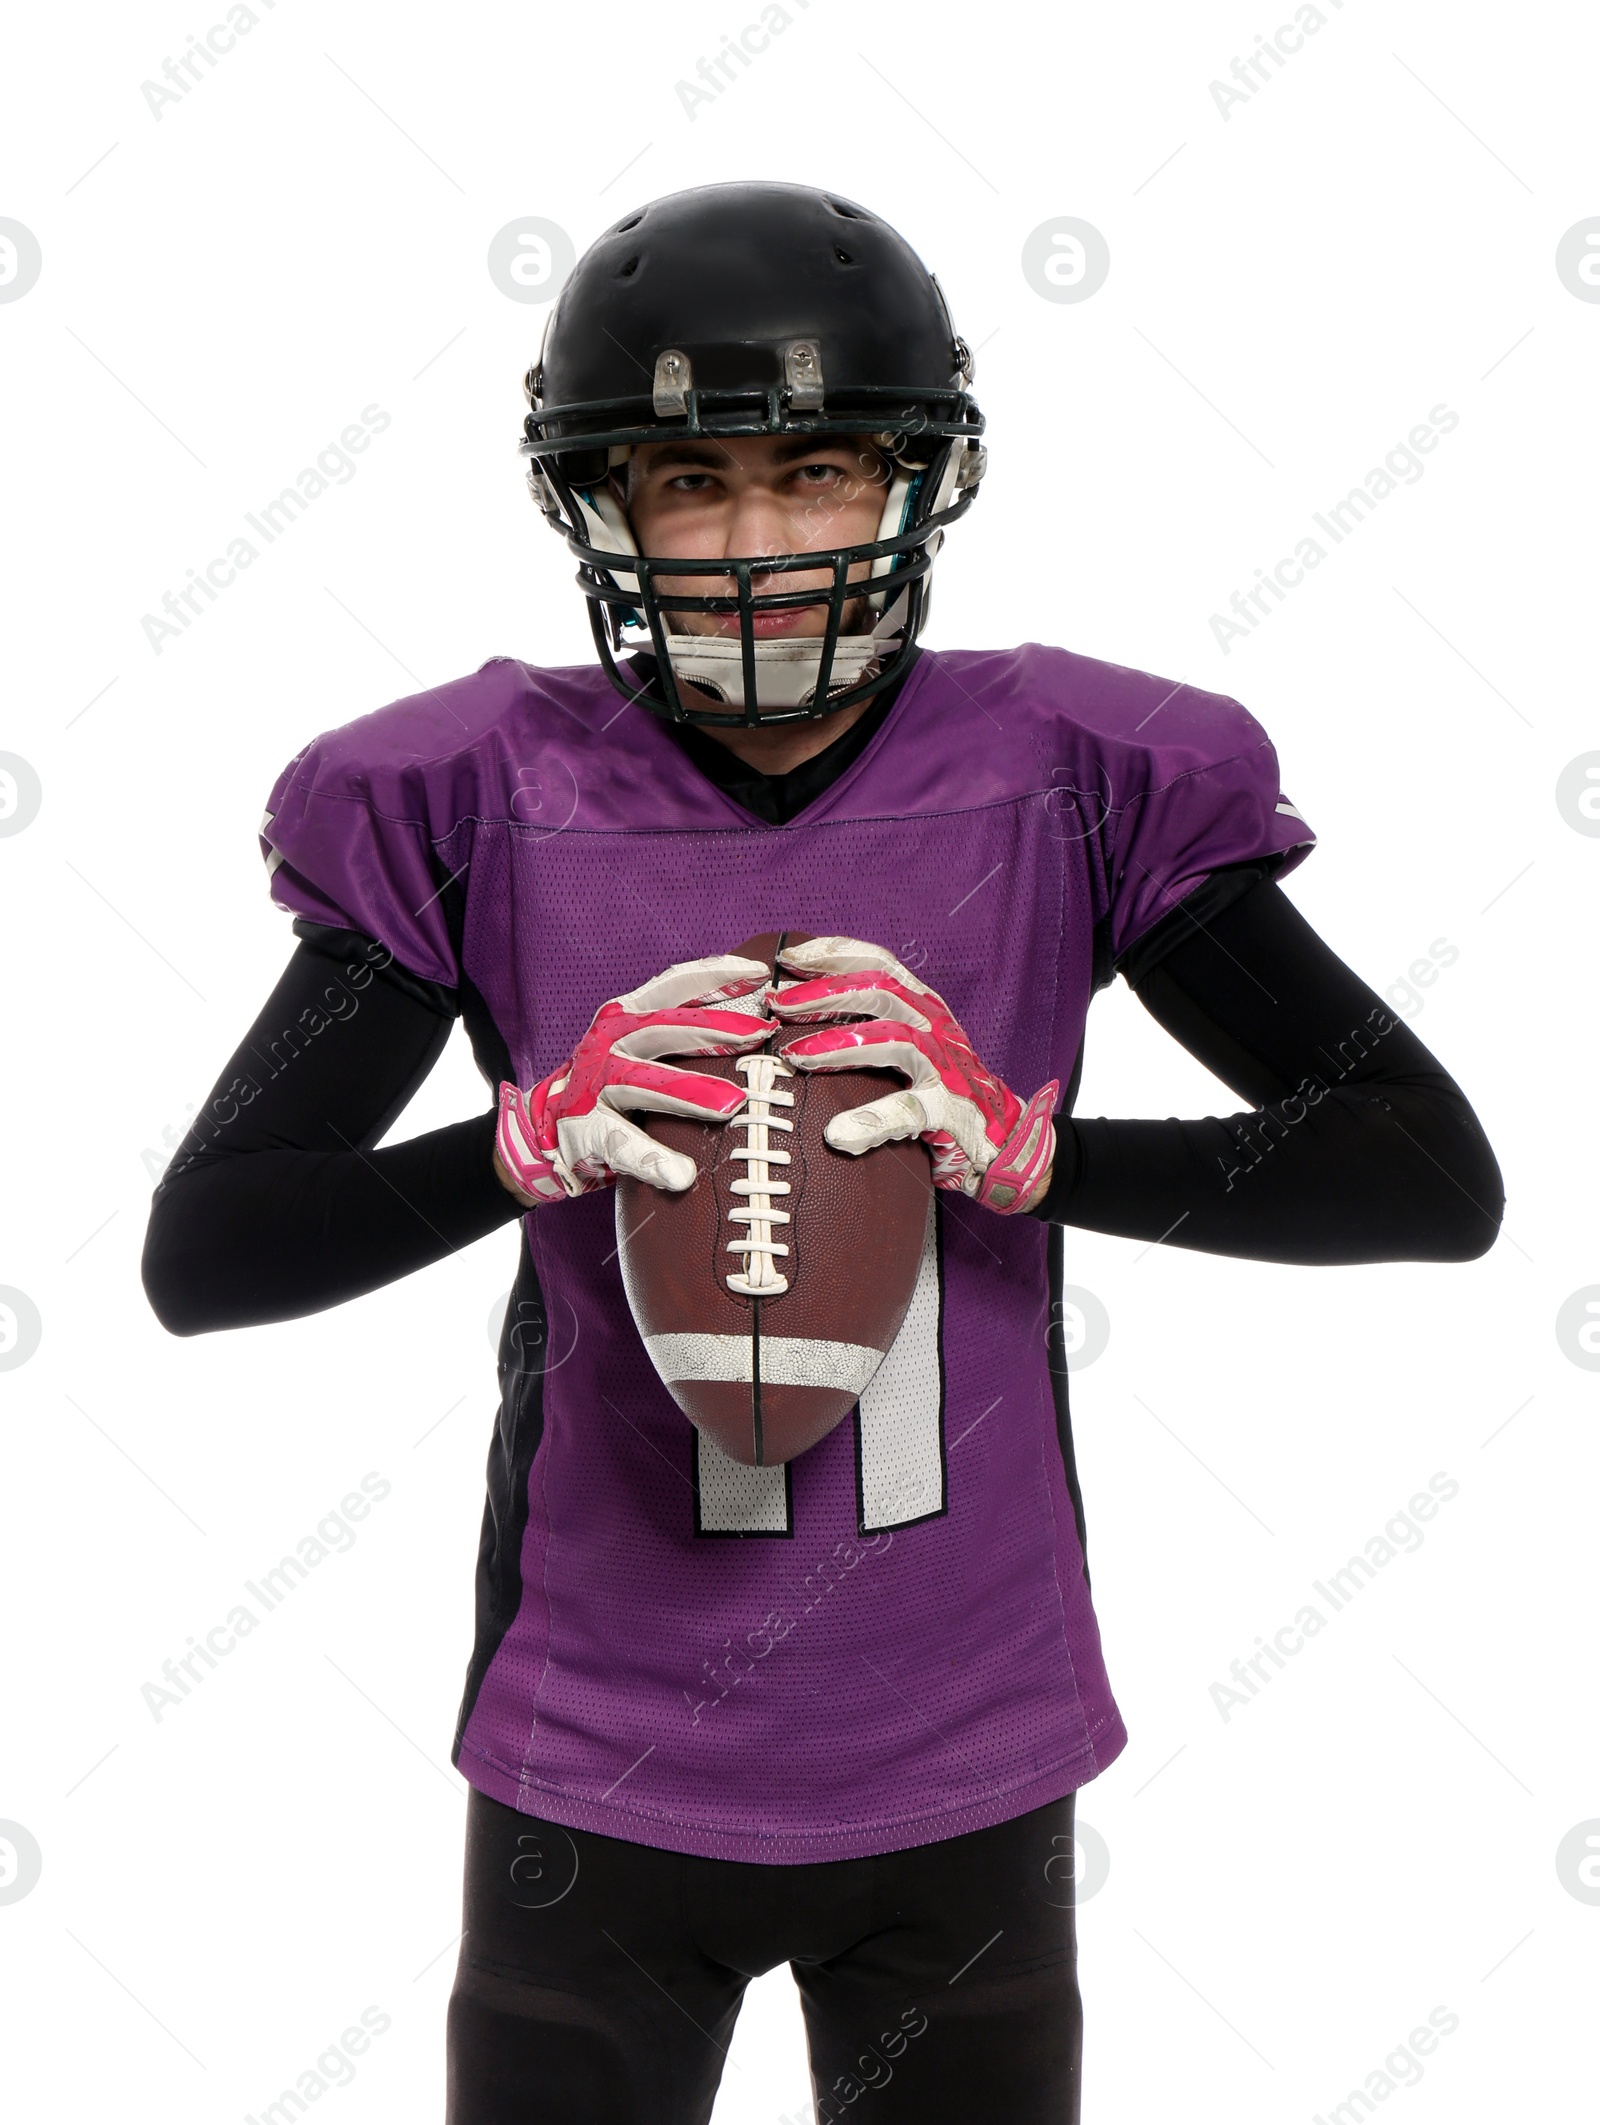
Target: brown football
766,1328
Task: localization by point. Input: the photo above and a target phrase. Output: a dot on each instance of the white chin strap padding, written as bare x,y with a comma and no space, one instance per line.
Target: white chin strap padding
896,508
897,512
786,670
606,522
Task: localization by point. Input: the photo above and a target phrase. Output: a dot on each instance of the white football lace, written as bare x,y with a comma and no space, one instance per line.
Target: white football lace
759,1277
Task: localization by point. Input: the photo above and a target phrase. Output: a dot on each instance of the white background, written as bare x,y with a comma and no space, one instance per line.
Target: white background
304,233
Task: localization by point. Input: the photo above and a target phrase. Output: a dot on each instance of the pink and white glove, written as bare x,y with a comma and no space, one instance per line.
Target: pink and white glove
569,1135
984,1140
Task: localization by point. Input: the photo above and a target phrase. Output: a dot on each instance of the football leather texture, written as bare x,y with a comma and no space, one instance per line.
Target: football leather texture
766,1328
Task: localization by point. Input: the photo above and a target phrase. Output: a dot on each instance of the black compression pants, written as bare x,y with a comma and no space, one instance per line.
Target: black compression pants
600,1980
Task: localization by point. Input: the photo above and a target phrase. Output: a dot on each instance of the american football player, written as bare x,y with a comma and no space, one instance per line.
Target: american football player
833,1713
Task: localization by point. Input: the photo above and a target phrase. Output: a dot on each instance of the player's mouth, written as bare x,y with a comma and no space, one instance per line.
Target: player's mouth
792,620
787,620
796,620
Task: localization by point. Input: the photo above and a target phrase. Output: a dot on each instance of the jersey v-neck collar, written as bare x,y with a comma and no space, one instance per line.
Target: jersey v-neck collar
853,765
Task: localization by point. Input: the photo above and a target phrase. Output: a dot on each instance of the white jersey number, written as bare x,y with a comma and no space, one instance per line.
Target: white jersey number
899,1435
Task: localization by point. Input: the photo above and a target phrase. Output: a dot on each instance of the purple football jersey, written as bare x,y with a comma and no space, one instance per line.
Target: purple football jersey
890,1639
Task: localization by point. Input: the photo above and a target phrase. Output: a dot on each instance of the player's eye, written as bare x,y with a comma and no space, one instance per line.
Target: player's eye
687,482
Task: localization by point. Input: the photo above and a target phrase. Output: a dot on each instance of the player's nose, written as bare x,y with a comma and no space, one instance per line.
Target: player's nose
761,522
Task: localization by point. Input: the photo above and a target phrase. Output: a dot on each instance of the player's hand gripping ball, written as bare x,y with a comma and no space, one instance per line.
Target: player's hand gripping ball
570,1133
983,1139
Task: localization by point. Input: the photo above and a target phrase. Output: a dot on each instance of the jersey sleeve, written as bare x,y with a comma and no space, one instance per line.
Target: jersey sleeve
1204,796
348,843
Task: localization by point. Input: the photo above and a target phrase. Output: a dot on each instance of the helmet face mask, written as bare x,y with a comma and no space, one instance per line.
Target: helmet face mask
739,311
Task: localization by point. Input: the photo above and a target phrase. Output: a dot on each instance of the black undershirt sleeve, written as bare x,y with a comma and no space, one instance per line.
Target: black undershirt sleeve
1358,1147
276,1204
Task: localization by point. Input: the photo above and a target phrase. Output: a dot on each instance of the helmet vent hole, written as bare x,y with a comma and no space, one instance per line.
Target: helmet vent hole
846,212
632,266
632,222
843,257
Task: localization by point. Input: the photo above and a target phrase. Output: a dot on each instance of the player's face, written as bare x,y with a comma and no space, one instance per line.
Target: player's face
751,496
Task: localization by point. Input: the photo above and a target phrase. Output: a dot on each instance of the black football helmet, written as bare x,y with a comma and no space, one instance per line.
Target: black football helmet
752,309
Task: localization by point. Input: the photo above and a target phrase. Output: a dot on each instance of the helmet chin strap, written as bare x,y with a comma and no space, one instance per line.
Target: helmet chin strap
786,668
